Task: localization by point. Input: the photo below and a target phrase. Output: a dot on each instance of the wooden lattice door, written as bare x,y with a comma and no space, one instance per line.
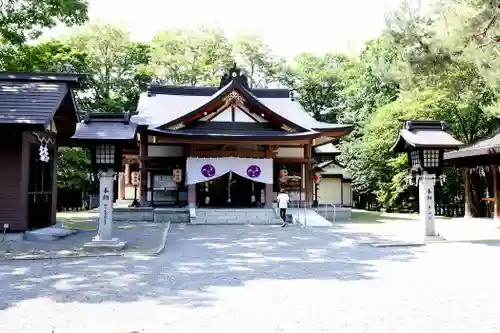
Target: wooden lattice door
40,187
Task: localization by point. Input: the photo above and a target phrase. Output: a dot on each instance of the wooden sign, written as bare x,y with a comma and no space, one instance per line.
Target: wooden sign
293,184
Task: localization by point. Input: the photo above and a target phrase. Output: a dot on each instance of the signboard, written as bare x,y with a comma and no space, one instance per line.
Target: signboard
293,184
105,201
429,201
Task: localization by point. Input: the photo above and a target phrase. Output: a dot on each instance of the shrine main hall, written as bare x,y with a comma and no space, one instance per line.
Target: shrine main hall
226,146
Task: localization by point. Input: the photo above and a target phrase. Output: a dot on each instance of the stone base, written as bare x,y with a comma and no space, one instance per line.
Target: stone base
435,238
111,244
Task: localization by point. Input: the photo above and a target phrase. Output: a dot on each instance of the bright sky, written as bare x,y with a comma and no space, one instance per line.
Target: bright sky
288,27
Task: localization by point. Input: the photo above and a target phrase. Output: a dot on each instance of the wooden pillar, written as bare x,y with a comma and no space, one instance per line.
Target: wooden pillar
467,194
269,195
191,195
496,187
143,154
126,174
121,186
308,172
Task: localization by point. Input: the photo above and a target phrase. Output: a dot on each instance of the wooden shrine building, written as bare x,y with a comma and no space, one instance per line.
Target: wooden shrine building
480,166
224,146
37,112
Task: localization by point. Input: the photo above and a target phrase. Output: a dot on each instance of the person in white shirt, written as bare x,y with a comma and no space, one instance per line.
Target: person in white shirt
283,200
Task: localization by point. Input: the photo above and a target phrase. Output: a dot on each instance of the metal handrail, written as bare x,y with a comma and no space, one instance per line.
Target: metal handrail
327,204
303,205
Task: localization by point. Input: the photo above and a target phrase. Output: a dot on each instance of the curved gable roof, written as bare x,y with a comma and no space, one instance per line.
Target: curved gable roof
234,85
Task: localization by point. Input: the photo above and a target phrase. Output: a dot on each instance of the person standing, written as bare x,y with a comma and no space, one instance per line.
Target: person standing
283,200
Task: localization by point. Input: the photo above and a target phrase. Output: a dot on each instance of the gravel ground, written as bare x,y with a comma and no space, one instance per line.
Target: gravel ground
140,237
258,279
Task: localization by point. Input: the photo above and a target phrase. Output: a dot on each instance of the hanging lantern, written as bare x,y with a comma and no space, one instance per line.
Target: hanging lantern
136,178
283,175
177,175
317,177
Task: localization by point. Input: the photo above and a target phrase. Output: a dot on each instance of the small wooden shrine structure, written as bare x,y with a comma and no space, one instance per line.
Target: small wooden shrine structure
479,164
37,111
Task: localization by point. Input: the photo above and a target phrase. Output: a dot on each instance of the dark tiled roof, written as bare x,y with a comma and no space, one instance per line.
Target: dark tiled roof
102,126
105,131
33,98
74,80
425,133
30,102
209,91
489,146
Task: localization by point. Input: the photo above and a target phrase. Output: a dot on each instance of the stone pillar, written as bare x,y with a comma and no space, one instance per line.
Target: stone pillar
496,187
467,194
121,186
103,239
192,195
143,154
269,195
426,203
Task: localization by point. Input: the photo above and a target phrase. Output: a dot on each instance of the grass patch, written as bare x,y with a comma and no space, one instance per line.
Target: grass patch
83,224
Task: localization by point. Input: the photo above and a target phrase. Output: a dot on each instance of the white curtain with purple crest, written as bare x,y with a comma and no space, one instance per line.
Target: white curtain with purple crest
200,170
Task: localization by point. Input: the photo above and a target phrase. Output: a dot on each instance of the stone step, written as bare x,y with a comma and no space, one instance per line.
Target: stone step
48,234
264,216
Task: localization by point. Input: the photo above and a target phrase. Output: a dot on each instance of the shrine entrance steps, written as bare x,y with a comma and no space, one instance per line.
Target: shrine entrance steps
308,218
257,216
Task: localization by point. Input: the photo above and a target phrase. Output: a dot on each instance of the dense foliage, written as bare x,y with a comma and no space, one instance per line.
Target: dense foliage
436,62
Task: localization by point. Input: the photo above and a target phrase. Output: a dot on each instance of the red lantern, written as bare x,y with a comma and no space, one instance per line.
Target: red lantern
317,177
283,175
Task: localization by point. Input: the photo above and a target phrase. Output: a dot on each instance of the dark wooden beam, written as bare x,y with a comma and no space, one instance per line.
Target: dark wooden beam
143,153
236,142
235,153
292,160
308,171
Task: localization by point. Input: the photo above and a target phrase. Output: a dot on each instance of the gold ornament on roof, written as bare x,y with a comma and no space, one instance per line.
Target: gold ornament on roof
176,126
287,128
234,97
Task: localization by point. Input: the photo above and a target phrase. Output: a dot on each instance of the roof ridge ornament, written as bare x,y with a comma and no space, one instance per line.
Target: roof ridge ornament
234,74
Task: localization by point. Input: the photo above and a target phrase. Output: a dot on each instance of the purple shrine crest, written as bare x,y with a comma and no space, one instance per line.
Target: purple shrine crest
253,171
208,170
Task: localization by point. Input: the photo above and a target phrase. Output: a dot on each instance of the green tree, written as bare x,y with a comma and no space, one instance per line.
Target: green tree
22,20
115,67
318,80
257,60
190,56
50,56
